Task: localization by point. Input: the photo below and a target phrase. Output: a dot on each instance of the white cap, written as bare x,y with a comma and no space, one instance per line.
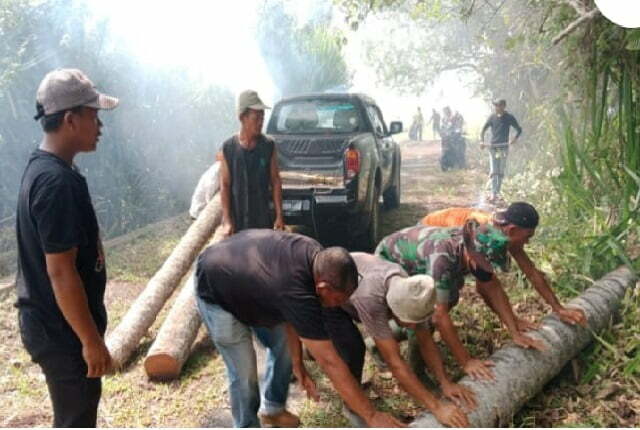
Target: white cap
63,89
411,299
248,99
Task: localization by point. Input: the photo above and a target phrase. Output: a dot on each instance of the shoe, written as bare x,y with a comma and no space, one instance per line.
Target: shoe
282,419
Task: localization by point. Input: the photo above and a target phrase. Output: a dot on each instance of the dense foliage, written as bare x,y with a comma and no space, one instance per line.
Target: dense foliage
154,146
577,88
577,97
302,57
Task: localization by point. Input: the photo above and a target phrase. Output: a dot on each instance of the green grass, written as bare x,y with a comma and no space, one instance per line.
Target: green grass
138,255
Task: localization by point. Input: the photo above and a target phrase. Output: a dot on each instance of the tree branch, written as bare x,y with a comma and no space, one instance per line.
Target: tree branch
578,6
575,24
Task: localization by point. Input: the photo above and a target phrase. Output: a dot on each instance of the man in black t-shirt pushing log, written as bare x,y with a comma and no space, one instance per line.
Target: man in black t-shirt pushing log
284,288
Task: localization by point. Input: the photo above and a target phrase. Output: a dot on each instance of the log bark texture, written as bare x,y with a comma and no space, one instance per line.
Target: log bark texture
124,339
179,330
7,286
521,374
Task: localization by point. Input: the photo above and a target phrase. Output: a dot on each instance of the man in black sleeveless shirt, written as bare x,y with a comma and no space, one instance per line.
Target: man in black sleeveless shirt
249,175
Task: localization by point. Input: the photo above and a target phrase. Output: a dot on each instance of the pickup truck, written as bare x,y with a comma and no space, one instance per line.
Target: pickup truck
337,158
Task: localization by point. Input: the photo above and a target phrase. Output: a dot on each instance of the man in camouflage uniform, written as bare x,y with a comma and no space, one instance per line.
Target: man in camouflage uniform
448,255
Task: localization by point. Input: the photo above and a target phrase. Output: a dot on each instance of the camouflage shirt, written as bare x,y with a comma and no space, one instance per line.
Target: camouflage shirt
434,251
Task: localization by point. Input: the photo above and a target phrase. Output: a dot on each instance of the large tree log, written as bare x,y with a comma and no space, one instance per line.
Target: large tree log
178,332
521,374
7,286
124,339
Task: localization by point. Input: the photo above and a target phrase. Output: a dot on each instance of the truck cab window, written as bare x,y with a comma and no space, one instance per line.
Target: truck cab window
376,121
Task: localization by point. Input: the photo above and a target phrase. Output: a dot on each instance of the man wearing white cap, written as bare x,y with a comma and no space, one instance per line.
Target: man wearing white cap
61,271
249,175
386,292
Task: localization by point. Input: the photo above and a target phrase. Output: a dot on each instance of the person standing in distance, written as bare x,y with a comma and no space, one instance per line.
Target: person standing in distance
435,123
61,270
500,123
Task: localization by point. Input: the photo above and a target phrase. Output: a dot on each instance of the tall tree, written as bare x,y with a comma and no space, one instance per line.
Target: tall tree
302,57
154,146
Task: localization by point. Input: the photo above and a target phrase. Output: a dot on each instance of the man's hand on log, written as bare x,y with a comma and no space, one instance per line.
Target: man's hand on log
479,369
385,420
526,342
451,415
572,316
279,224
460,395
227,229
526,325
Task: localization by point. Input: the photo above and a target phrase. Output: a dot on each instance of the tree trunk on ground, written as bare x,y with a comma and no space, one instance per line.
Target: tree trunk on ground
521,374
171,348
178,332
7,286
124,339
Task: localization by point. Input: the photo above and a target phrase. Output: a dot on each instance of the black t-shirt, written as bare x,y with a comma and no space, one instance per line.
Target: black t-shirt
264,277
54,215
500,127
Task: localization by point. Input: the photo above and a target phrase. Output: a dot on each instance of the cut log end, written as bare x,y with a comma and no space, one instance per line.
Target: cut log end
162,367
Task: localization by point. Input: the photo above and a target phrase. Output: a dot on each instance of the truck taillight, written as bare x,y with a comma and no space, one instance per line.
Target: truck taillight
352,162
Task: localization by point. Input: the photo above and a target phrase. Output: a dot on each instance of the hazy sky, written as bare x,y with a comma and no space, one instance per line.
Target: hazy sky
216,41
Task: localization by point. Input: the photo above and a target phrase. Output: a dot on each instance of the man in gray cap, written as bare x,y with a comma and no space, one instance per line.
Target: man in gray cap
61,271
249,174
387,293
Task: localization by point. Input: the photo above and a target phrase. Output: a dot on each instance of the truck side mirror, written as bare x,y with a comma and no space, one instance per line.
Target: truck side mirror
395,127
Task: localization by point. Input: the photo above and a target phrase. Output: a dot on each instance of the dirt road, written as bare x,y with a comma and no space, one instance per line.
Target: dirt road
426,188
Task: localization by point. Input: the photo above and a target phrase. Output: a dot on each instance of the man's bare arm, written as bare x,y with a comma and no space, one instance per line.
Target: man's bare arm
446,414
402,372
72,301
475,368
299,369
537,278
493,293
346,385
225,196
432,357
276,189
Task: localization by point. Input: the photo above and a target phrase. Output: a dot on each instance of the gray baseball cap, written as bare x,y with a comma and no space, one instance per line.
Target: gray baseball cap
499,102
411,299
63,89
248,99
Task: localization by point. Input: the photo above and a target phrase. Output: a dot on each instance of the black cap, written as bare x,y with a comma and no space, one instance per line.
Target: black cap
500,102
521,214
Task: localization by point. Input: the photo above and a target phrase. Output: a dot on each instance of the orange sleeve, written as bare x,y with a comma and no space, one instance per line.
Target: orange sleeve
455,217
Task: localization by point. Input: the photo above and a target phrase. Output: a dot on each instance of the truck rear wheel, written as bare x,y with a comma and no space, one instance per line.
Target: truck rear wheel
368,240
391,196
